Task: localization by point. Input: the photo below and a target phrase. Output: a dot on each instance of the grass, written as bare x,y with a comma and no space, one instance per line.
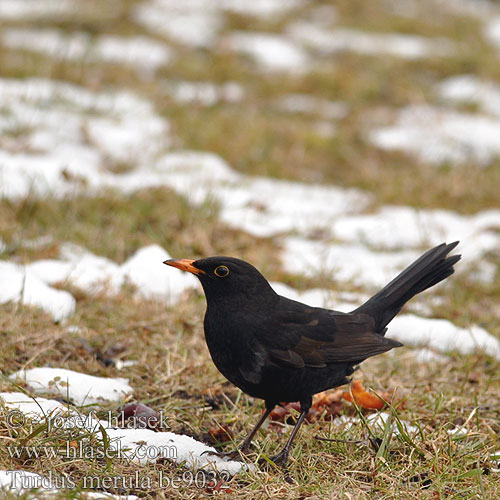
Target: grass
173,364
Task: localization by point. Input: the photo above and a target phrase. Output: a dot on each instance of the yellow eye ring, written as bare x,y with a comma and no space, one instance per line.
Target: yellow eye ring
221,271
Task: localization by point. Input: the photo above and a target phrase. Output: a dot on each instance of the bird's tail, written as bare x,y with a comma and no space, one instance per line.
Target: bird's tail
431,268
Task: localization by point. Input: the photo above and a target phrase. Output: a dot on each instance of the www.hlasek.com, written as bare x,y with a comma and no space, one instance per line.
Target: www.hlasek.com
137,481
72,450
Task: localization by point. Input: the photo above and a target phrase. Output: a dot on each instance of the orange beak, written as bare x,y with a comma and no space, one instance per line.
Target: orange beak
184,265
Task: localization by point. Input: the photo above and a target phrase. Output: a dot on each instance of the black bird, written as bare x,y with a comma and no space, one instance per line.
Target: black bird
281,350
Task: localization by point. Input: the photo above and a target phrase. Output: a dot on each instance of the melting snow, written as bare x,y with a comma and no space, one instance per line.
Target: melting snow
140,445
81,388
470,89
329,41
92,273
492,31
35,408
59,160
21,286
139,51
196,23
442,335
271,52
34,9
439,135
344,262
204,93
478,234
377,421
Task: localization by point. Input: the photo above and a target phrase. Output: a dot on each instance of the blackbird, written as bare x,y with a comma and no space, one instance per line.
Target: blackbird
281,350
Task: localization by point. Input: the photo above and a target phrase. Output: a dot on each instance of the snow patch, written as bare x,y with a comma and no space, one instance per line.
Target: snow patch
344,262
442,335
271,52
34,9
478,234
330,41
439,135
471,90
19,285
93,273
80,388
140,445
98,128
378,422
144,53
204,93
194,23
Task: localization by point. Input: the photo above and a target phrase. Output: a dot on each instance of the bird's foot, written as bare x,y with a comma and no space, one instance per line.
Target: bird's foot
281,460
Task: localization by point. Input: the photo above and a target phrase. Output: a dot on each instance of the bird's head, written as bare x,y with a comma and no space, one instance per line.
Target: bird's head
226,277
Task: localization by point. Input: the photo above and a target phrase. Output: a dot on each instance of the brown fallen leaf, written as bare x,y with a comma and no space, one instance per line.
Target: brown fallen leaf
221,433
365,399
326,404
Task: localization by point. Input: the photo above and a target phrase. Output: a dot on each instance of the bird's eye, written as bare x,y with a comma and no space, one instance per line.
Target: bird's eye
221,271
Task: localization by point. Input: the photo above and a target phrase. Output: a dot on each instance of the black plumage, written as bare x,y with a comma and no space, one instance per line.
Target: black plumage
281,350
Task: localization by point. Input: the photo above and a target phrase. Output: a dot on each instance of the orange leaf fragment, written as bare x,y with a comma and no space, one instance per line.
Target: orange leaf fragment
363,398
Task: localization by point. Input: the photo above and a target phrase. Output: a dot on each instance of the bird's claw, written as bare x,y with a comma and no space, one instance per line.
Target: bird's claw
281,459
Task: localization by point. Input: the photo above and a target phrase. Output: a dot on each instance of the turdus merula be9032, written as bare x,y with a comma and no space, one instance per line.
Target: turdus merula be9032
281,350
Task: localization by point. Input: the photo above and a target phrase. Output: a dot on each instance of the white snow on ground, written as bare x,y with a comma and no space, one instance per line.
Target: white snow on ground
139,51
144,270
478,234
442,335
99,129
471,90
145,446
260,8
437,135
492,31
35,408
197,23
330,41
377,422
344,262
204,93
271,52
310,105
194,23
80,388
35,9
259,205
21,286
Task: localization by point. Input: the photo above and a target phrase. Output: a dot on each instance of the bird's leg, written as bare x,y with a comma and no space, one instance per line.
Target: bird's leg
281,458
246,444
243,448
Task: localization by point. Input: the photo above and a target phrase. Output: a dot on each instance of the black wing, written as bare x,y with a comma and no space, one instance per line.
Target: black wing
298,336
